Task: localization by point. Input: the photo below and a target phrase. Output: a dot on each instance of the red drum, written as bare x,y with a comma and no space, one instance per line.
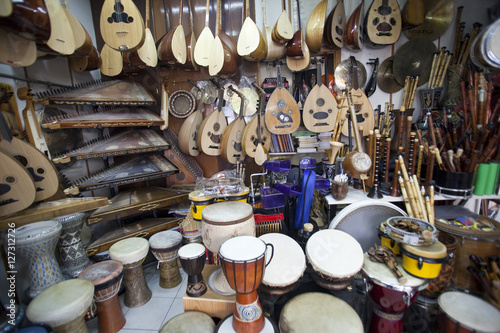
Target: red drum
243,263
464,313
107,278
192,257
391,298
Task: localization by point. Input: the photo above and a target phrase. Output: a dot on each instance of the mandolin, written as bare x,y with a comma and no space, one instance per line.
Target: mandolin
231,146
146,55
333,34
383,22
16,51
122,27
315,26
61,34
41,169
298,57
17,188
111,61
190,64
353,34
204,42
282,31
83,42
256,136
222,59
211,129
275,50
320,108
251,44
282,114
29,19
189,130
172,47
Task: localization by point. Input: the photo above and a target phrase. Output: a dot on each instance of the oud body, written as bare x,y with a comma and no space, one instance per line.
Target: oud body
111,61
315,26
16,51
333,35
188,133
211,130
231,146
204,42
383,22
353,34
363,110
30,19
250,139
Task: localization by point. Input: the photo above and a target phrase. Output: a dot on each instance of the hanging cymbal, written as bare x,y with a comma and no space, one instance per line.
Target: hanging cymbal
385,77
414,58
438,16
343,74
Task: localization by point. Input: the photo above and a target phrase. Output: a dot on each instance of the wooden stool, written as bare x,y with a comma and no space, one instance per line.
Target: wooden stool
190,321
63,306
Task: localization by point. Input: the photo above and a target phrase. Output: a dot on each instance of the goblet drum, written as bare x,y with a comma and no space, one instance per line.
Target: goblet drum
243,264
37,242
189,322
391,298
63,306
192,257
107,277
131,252
221,221
164,246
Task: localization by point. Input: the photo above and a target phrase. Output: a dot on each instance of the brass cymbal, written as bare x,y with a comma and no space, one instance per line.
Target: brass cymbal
385,77
343,74
438,16
414,58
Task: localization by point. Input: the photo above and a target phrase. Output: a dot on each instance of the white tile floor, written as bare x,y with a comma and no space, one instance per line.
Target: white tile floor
164,305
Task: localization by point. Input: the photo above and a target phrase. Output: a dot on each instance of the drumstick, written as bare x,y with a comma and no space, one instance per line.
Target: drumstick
394,269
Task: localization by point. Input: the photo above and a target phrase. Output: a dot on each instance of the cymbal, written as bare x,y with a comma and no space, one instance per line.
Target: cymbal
438,17
343,74
414,58
385,77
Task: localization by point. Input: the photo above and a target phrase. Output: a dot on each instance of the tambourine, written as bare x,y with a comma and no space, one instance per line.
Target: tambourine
181,103
426,235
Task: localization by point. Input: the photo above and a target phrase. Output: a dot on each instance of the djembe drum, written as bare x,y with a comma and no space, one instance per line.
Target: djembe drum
131,252
37,242
164,246
192,257
107,277
72,256
63,306
243,262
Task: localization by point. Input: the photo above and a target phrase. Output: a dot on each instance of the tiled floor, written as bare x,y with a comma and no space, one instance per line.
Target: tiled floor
165,304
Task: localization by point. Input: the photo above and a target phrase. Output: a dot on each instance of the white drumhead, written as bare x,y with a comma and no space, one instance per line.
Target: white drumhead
288,262
189,322
165,239
30,232
334,253
470,311
193,250
318,312
227,212
380,274
61,303
226,326
242,248
130,250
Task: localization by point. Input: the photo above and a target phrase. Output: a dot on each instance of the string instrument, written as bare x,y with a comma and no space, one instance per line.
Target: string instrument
43,172
413,14
17,188
298,57
172,48
61,34
371,86
16,51
211,129
88,62
282,114
329,79
274,50
353,34
251,44
83,42
256,136
231,146
320,109
204,42
362,106
315,26
8,106
222,57
146,55
189,170
190,64
189,130
122,27
29,19
383,22
333,35
111,61
282,31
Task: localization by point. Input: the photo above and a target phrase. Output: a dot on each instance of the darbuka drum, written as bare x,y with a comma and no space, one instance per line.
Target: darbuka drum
192,257
226,326
221,221
164,246
424,262
131,252
335,257
464,313
106,277
189,322
72,256
287,266
391,298
243,262
318,312
63,306
37,242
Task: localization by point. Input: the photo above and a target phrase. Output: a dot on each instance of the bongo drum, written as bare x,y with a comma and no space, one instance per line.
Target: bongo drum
164,246
424,262
37,242
318,312
192,257
131,252
107,278
243,262
335,257
72,256
464,313
199,203
189,322
391,298
287,266
221,221
63,306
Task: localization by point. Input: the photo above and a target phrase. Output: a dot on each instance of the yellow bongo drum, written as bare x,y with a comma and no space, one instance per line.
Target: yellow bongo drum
198,203
424,261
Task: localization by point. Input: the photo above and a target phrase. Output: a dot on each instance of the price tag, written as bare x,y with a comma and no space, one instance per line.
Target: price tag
411,239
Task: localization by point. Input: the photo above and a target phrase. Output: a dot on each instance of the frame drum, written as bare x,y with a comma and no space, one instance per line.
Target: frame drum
287,266
485,49
464,313
335,257
192,257
164,246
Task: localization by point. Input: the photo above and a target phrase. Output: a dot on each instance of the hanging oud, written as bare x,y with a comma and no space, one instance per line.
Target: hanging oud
111,61
16,51
61,34
333,34
231,147
124,143
146,55
282,31
30,19
204,42
83,42
172,48
251,44
383,22
298,57
274,50
223,61
189,130
353,34
190,64
315,26
121,24
211,129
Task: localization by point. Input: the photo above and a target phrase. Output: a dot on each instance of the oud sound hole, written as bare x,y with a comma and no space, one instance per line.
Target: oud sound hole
40,171
21,159
384,10
10,179
216,127
320,102
311,111
281,104
339,19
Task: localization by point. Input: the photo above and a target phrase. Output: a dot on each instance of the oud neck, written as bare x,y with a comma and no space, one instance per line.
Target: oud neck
318,73
297,12
4,129
147,13
218,18
354,65
352,115
207,14
191,24
278,76
247,8
264,11
180,12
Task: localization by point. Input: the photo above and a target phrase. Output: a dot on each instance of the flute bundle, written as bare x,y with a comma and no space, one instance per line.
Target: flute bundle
410,89
440,64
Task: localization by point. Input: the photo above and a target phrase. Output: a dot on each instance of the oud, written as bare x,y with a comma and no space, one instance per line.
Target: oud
383,22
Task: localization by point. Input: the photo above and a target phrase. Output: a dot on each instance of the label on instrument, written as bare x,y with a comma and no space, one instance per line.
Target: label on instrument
411,239
248,312
481,96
